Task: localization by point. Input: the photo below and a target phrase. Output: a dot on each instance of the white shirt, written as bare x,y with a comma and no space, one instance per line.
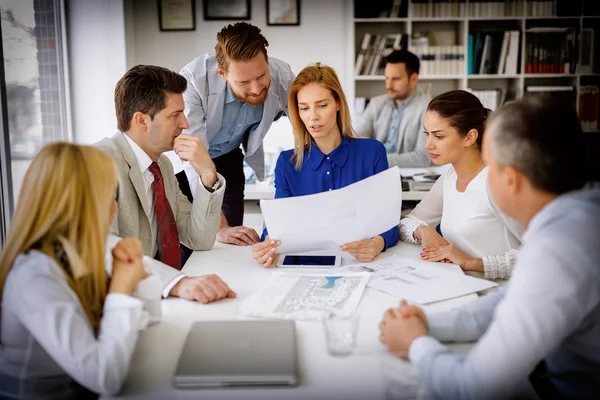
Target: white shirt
47,338
470,221
550,310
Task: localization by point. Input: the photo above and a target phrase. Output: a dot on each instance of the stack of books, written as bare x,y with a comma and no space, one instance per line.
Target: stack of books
374,51
550,50
494,52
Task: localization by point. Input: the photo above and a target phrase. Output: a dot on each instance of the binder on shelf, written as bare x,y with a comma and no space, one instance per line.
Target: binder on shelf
362,53
589,107
586,51
512,54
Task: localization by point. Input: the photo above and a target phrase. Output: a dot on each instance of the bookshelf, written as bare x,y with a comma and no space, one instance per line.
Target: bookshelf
448,25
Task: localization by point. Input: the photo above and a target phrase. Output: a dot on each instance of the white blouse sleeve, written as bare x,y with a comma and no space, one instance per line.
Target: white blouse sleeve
49,309
427,213
500,266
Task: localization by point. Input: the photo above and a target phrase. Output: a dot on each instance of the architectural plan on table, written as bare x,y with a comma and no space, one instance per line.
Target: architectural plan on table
306,296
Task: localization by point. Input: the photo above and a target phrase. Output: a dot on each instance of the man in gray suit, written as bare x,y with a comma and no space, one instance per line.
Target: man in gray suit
396,119
232,98
149,107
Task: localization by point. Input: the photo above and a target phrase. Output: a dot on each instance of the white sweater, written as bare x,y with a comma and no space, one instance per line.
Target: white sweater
470,221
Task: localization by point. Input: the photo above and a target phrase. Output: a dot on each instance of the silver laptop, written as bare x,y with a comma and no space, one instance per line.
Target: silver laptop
238,353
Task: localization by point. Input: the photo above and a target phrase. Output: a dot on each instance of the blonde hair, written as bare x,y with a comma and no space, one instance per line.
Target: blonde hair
327,78
239,42
65,202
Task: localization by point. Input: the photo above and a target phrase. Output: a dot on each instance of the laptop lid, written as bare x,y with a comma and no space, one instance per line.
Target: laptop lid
238,353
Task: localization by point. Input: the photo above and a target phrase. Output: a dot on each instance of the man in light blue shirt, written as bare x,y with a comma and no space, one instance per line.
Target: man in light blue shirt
238,118
545,323
396,118
232,98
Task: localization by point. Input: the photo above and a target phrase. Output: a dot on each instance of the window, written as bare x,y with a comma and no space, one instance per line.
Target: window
35,81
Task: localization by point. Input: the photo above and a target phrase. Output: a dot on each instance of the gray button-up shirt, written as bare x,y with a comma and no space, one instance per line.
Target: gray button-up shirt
549,310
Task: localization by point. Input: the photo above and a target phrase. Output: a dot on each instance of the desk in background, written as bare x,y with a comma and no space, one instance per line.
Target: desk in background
259,191
322,376
266,190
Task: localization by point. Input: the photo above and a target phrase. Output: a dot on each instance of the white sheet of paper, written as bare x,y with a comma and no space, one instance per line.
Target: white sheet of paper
306,296
420,282
328,220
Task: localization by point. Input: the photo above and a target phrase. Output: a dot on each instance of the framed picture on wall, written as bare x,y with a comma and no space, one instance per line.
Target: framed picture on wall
226,9
283,12
177,15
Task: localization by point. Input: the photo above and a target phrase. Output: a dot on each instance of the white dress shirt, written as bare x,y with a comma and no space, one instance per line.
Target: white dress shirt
48,341
470,221
550,310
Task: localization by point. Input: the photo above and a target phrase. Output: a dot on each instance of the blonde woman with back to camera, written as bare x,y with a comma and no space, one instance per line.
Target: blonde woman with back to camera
67,329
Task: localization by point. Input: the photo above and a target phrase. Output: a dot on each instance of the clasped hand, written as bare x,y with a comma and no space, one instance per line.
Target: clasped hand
401,326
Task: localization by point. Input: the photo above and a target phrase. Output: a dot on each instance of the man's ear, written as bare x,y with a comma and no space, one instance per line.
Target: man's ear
414,78
139,121
513,179
222,73
471,137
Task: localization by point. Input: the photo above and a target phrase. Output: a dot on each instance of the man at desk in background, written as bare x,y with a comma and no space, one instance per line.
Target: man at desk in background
232,99
396,119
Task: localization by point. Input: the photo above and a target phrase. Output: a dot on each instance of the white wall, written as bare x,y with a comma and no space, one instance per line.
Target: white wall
96,47
321,36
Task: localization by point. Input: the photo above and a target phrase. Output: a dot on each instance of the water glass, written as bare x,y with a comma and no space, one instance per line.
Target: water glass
340,333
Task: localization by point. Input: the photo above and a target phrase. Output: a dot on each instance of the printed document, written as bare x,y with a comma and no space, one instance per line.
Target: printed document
328,220
306,296
416,281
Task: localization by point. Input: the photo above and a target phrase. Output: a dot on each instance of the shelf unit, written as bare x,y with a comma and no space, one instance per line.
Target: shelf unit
515,84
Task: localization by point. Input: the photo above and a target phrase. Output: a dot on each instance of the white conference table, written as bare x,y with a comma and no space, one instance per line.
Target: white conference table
359,376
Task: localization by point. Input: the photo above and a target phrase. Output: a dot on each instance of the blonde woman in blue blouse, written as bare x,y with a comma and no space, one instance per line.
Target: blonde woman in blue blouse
327,155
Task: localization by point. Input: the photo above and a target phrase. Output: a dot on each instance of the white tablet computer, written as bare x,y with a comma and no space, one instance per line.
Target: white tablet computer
307,261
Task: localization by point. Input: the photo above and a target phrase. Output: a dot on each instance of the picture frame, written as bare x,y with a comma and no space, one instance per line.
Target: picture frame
283,12
177,15
239,10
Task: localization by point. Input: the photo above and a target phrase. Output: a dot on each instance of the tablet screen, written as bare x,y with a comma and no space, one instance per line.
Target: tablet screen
309,260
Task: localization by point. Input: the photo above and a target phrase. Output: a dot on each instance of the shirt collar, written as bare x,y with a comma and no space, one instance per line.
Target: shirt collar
142,158
405,103
339,155
229,96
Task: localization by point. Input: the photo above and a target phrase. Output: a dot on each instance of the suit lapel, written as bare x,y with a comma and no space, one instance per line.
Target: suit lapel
135,175
269,112
216,100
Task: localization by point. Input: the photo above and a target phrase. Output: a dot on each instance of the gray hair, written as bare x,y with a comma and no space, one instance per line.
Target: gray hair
543,140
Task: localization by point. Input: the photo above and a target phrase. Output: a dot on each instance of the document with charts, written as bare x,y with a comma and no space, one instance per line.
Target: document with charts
306,296
418,281
414,280
327,220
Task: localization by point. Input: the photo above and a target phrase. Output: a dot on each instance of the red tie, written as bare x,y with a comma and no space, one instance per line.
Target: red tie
167,229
